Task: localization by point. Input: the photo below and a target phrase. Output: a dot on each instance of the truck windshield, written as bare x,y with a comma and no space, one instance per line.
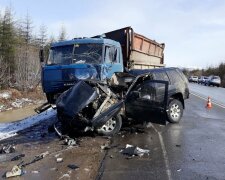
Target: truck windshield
77,53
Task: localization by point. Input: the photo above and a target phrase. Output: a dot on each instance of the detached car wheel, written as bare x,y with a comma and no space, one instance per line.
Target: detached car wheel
175,111
111,127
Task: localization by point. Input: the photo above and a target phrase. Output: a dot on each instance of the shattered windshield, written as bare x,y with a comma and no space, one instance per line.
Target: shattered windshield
61,55
87,53
77,53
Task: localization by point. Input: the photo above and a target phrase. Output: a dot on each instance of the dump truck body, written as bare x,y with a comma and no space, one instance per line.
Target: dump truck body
139,52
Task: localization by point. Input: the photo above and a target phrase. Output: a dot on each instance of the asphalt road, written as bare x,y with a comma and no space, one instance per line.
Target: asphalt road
217,94
192,149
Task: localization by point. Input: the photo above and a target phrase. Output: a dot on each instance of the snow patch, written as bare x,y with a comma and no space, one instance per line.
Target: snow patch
11,129
5,95
20,102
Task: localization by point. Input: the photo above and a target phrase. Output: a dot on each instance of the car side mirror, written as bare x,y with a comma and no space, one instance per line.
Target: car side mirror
41,55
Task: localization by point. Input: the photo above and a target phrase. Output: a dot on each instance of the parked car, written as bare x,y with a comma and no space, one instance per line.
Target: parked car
213,81
202,79
154,95
193,79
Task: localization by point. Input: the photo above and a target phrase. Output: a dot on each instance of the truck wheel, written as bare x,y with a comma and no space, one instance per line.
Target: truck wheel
111,127
175,111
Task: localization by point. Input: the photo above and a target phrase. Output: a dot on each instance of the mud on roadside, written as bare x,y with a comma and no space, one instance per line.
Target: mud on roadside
13,99
36,140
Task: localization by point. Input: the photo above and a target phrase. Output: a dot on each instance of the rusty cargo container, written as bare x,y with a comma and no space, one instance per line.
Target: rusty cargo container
139,52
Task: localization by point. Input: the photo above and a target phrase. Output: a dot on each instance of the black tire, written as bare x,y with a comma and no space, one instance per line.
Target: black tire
111,127
175,111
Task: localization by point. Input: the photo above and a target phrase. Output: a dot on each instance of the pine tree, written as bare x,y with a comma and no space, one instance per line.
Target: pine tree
62,34
42,38
27,29
7,42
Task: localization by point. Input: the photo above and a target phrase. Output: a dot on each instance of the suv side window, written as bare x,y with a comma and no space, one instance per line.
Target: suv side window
161,76
175,78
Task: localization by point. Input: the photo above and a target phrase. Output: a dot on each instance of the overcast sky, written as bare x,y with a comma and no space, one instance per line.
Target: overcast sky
193,30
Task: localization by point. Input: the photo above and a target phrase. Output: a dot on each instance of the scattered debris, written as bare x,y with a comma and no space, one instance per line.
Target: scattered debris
105,147
57,155
54,169
59,160
34,172
16,171
131,150
73,166
86,169
36,158
18,157
7,149
70,142
65,176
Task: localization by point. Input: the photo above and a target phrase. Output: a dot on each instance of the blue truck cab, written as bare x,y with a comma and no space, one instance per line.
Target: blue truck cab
81,58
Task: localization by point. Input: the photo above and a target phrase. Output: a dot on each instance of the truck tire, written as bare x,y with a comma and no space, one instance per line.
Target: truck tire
111,127
175,111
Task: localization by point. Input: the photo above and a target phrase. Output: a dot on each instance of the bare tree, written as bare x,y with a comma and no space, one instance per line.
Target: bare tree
3,71
27,59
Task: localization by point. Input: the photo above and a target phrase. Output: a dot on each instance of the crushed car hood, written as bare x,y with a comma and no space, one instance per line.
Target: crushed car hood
75,99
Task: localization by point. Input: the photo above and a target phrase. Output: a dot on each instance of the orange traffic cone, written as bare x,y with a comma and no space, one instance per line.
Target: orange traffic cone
209,103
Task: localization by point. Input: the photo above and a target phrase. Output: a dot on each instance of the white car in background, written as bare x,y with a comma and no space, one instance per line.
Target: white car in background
193,79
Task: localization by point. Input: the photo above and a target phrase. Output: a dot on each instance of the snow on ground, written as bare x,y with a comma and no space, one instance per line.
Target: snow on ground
11,129
216,94
5,95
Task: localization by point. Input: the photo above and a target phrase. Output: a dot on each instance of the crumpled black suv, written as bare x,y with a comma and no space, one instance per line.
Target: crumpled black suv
153,95
177,89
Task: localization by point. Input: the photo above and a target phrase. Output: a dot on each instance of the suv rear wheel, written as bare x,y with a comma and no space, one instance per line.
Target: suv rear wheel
175,111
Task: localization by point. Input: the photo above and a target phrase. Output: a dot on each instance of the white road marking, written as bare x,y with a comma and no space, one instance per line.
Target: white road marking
204,98
165,156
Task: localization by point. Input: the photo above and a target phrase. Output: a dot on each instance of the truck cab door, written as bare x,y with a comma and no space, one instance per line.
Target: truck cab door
112,61
148,102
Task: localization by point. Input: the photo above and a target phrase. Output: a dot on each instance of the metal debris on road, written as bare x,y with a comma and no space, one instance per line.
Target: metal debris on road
73,166
36,158
34,172
131,150
7,149
18,157
59,160
16,171
70,142
65,176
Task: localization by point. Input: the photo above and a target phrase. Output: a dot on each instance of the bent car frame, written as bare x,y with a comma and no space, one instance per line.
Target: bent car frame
93,105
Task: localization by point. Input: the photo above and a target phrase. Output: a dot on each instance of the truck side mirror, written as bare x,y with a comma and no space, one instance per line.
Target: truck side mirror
41,55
